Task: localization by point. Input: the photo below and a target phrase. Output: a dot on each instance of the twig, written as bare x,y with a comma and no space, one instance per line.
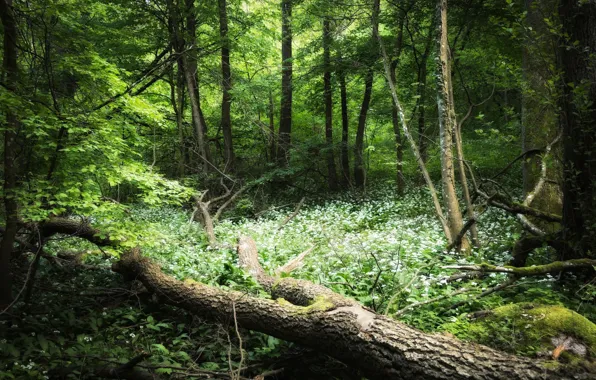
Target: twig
510,281
436,299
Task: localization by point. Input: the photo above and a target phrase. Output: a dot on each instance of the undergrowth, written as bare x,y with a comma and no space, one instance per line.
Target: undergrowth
385,251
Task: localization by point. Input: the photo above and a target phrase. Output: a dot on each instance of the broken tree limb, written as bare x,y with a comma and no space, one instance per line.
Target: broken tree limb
292,215
75,228
380,347
554,267
294,263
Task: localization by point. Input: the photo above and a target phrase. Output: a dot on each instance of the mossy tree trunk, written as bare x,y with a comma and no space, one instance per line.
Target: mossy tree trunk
314,316
539,109
578,117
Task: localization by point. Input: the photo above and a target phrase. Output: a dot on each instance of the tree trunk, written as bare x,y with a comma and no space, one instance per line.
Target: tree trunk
285,119
578,116
540,124
272,139
345,125
314,316
226,121
422,70
368,82
399,149
192,85
177,100
447,125
404,126
359,144
463,179
331,172
10,79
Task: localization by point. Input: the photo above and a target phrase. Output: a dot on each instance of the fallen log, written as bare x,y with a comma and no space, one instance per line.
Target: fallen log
314,316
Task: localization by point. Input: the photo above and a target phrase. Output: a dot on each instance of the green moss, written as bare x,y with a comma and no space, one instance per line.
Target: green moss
525,328
321,303
283,302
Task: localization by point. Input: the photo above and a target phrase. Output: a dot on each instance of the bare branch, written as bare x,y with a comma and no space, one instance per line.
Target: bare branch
537,270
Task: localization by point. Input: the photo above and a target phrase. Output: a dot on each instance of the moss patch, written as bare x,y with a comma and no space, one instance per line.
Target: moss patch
529,329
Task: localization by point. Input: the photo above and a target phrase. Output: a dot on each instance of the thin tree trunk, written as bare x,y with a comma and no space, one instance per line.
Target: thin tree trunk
226,121
464,184
422,70
272,139
579,127
399,149
368,82
285,119
345,125
359,143
10,79
192,84
404,126
177,100
447,125
331,171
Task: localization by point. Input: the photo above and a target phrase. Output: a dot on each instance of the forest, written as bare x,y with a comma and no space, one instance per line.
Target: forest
298,189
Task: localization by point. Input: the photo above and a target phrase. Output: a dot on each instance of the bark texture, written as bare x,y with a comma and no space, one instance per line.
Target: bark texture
345,129
579,126
189,59
226,120
539,109
399,149
447,125
314,316
359,174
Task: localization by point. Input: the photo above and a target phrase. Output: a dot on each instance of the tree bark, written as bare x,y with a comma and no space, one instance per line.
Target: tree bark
285,119
578,117
345,129
314,316
540,124
368,83
272,138
422,70
177,101
226,121
399,149
405,128
447,124
192,84
10,79
331,171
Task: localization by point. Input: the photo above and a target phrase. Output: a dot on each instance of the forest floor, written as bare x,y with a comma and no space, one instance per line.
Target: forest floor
385,251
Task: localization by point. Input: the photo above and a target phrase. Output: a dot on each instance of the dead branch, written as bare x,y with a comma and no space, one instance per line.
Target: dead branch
294,263
538,270
204,207
292,215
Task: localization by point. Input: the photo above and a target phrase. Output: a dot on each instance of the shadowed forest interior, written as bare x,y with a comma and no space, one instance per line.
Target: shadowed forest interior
298,189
